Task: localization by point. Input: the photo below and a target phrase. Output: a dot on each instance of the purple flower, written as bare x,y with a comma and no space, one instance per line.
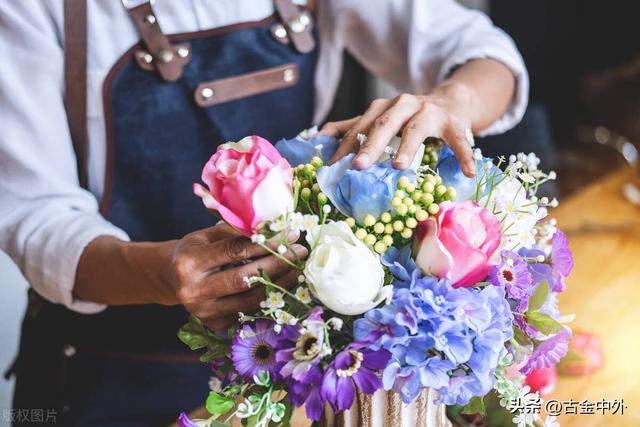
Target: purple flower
302,348
184,421
561,260
254,350
464,386
307,392
549,352
513,275
351,368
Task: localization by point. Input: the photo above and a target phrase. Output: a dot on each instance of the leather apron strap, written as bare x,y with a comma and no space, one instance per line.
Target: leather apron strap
75,80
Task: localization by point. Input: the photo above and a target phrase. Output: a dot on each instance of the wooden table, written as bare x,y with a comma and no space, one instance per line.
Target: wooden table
604,293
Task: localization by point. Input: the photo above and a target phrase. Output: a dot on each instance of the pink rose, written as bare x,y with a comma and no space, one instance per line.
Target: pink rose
248,182
459,244
542,380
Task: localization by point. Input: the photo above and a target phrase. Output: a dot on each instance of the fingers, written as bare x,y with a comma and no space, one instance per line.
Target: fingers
338,129
419,127
385,127
220,324
232,281
221,313
350,143
455,138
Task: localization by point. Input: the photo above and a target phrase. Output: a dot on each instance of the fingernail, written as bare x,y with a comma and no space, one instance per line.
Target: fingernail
401,160
362,159
300,250
471,169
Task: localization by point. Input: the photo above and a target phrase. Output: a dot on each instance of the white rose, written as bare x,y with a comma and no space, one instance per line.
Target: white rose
342,272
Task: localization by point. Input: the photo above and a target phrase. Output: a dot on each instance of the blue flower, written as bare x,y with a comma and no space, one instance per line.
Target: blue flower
299,150
434,331
403,268
449,170
357,193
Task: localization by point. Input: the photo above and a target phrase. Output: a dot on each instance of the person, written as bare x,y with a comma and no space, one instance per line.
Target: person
105,228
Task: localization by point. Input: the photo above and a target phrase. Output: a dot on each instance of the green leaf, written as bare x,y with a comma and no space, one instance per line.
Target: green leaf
191,336
215,423
218,404
475,406
543,322
539,296
520,337
214,352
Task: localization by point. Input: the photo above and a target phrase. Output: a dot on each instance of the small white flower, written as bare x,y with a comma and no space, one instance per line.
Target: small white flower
303,295
258,239
362,138
277,328
477,154
282,249
524,420
551,421
215,384
335,323
274,300
512,158
540,258
278,225
309,221
301,278
326,209
554,203
544,200
285,318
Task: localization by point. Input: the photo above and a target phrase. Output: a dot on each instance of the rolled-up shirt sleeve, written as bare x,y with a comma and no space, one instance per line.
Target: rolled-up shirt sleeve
46,218
416,44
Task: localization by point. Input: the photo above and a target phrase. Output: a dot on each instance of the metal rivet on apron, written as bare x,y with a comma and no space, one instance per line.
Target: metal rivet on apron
69,350
206,93
279,31
183,52
288,75
149,19
165,56
146,57
299,24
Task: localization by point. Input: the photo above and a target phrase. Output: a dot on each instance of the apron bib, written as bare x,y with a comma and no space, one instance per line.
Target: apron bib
125,366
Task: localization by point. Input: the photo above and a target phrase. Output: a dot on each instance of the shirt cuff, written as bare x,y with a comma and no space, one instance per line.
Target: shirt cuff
53,256
512,60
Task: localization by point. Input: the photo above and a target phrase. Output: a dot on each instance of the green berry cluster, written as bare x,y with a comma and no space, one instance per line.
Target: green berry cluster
432,147
412,203
309,198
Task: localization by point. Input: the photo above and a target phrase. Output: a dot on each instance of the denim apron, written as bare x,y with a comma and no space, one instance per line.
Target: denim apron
125,365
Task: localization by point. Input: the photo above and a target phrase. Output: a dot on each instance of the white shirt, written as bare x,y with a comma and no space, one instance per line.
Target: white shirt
46,219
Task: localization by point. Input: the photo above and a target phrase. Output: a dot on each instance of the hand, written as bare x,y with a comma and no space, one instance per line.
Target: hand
445,114
216,294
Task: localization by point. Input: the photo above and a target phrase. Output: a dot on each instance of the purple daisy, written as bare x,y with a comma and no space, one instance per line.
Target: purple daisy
254,350
302,348
513,275
351,368
549,352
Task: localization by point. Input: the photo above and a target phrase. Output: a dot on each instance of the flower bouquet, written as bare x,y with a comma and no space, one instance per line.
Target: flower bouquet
415,279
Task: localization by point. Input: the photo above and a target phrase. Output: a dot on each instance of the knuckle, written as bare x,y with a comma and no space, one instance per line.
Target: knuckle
405,98
414,126
378,102
237,248
382,121
234,283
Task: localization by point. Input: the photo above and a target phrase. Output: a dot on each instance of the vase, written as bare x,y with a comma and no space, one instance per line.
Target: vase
386,408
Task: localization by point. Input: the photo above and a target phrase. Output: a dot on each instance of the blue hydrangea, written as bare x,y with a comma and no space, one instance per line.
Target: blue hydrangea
448,167
299,151
446,338
357,193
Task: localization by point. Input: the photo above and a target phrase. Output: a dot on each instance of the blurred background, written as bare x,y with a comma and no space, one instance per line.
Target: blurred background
583,120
